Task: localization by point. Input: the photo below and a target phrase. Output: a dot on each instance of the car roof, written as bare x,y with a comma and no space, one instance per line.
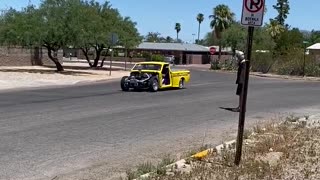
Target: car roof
152,62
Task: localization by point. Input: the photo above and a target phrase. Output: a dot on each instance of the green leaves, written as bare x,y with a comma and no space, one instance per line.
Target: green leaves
64,23
283,8
200,18
222,18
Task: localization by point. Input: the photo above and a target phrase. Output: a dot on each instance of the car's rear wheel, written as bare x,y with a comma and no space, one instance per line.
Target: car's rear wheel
124,85
153,84
181,83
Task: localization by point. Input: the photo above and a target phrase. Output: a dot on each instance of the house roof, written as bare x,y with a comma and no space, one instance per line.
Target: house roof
315,46
173,47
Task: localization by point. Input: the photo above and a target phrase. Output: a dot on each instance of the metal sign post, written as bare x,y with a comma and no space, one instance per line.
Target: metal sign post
244,93
252,15
111,55
114,41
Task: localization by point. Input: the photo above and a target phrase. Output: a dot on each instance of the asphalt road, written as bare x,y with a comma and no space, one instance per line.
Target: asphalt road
93,131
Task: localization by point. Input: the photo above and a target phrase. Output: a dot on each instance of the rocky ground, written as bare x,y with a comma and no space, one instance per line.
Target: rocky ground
285,150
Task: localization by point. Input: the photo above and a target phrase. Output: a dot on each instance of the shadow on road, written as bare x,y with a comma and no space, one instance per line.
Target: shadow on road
47,71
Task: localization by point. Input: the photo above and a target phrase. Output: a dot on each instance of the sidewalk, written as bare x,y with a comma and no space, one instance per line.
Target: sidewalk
13,77
257,74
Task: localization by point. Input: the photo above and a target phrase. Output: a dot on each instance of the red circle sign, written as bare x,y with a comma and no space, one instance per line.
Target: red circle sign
254,6
212,50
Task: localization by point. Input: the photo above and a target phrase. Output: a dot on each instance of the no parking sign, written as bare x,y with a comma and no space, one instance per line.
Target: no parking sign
252,12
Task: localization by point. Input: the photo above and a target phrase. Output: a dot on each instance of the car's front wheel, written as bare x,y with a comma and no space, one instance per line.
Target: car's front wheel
181,83
124,84
153,84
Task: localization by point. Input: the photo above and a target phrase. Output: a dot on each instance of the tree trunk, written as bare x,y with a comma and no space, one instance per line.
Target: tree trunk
85,52
102,62
104,58
219,57
125,59
55,60
98,54
198,33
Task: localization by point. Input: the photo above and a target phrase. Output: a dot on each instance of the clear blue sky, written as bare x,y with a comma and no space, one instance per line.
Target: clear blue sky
161,15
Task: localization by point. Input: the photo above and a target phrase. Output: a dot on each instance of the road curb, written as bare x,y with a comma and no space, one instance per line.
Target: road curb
183,163
285,77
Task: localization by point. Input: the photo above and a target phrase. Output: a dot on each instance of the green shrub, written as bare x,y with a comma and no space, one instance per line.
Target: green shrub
262,62
215,65
229,65
292,63
153,57
146,55
157,57
312,70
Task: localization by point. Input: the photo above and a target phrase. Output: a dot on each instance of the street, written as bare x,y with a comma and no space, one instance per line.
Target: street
96,130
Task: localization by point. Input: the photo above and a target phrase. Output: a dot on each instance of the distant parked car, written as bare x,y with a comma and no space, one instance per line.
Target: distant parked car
169,59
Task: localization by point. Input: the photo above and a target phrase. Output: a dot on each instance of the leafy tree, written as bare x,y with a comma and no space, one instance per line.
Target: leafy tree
200,18
98,23
274,29
169,39
235,37
283,8
290,40
46,26
68,23
129,35
222,19
178,29
262,40
153,37
55,26
210,39
95,23
314,37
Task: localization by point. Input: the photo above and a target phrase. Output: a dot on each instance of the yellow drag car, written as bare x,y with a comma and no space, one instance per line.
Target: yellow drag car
154,76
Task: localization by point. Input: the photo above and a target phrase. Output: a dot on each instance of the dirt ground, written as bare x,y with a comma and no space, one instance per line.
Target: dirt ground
13,77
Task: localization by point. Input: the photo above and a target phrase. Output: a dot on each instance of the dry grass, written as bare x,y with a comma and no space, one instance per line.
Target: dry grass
297,145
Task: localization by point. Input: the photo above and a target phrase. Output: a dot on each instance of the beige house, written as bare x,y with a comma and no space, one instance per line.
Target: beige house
314,51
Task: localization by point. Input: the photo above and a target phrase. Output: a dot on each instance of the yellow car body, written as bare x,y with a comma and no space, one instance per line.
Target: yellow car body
157,74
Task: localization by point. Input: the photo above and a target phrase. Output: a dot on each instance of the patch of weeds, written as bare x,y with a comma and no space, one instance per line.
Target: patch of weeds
227,157
166,160
145,168
247,133
299,160
269,142
161,170
130,174
292,118
258,129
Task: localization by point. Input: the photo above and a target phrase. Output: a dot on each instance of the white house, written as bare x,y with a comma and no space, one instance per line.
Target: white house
314,51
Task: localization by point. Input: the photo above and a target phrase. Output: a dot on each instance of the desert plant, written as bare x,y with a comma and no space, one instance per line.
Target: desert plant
145,167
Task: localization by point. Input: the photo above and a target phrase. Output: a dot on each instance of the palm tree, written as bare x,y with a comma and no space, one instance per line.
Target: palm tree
222,19
178,29
275,28
200,18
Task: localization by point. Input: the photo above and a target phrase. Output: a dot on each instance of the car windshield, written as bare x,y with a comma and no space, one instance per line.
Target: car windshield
156,67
